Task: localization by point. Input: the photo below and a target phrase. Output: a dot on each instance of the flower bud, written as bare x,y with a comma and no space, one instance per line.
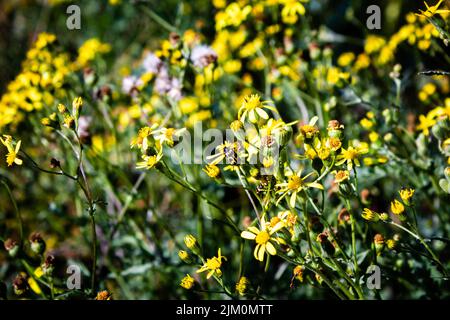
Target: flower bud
326,245
184,256
191,243
49,265
242,286
103,295
62,108
12,247
406,194
55,163
20,285
344,216
76,106
391,244
37,243
334,129
89,76
384,216
370,215
299,272
187,282
379,242
315,225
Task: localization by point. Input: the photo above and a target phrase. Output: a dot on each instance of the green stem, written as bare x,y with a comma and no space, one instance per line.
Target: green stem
17,211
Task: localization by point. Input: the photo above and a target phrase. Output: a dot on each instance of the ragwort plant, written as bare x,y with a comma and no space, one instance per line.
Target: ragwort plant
320,170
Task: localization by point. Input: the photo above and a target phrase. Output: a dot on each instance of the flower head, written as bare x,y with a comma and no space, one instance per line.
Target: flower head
295,184
202,56
406,194
148,162
213,265
397,207
253,107
264,238
351,156
212,170
432,10
370,215
187,282
103,295
11,156
341,176
242,286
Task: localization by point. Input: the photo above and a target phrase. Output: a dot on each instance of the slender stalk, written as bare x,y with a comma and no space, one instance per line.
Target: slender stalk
17,211
353,231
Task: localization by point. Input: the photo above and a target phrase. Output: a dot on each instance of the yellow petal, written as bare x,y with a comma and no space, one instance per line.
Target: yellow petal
271,249
34,286
293,199
248,235
253,229
261,251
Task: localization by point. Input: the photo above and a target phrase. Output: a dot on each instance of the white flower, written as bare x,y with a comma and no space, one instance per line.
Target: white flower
131,84
175,90
164,84
202,56
152,63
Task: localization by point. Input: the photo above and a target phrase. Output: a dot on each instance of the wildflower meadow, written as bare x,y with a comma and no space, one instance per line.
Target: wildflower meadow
224,149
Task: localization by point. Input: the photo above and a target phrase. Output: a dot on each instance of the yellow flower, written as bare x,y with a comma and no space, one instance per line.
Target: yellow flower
190,241
308,131
431,11
291,10
362,61
211,170
242,286
391,244
294,185
397,207
187,282
188,105
333,143
166,135
369,215
298,273
366,123
103,295
263,238
346,59
11,156
184,256
351,155
227,150
89,50
406,194
426,122
213,265
253,107
374,44
341,176
148,162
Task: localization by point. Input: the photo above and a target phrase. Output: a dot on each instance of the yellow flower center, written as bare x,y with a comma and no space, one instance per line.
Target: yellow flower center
252,102
308,130
351,153
213,263
262,237
341,176
295,182
274,221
